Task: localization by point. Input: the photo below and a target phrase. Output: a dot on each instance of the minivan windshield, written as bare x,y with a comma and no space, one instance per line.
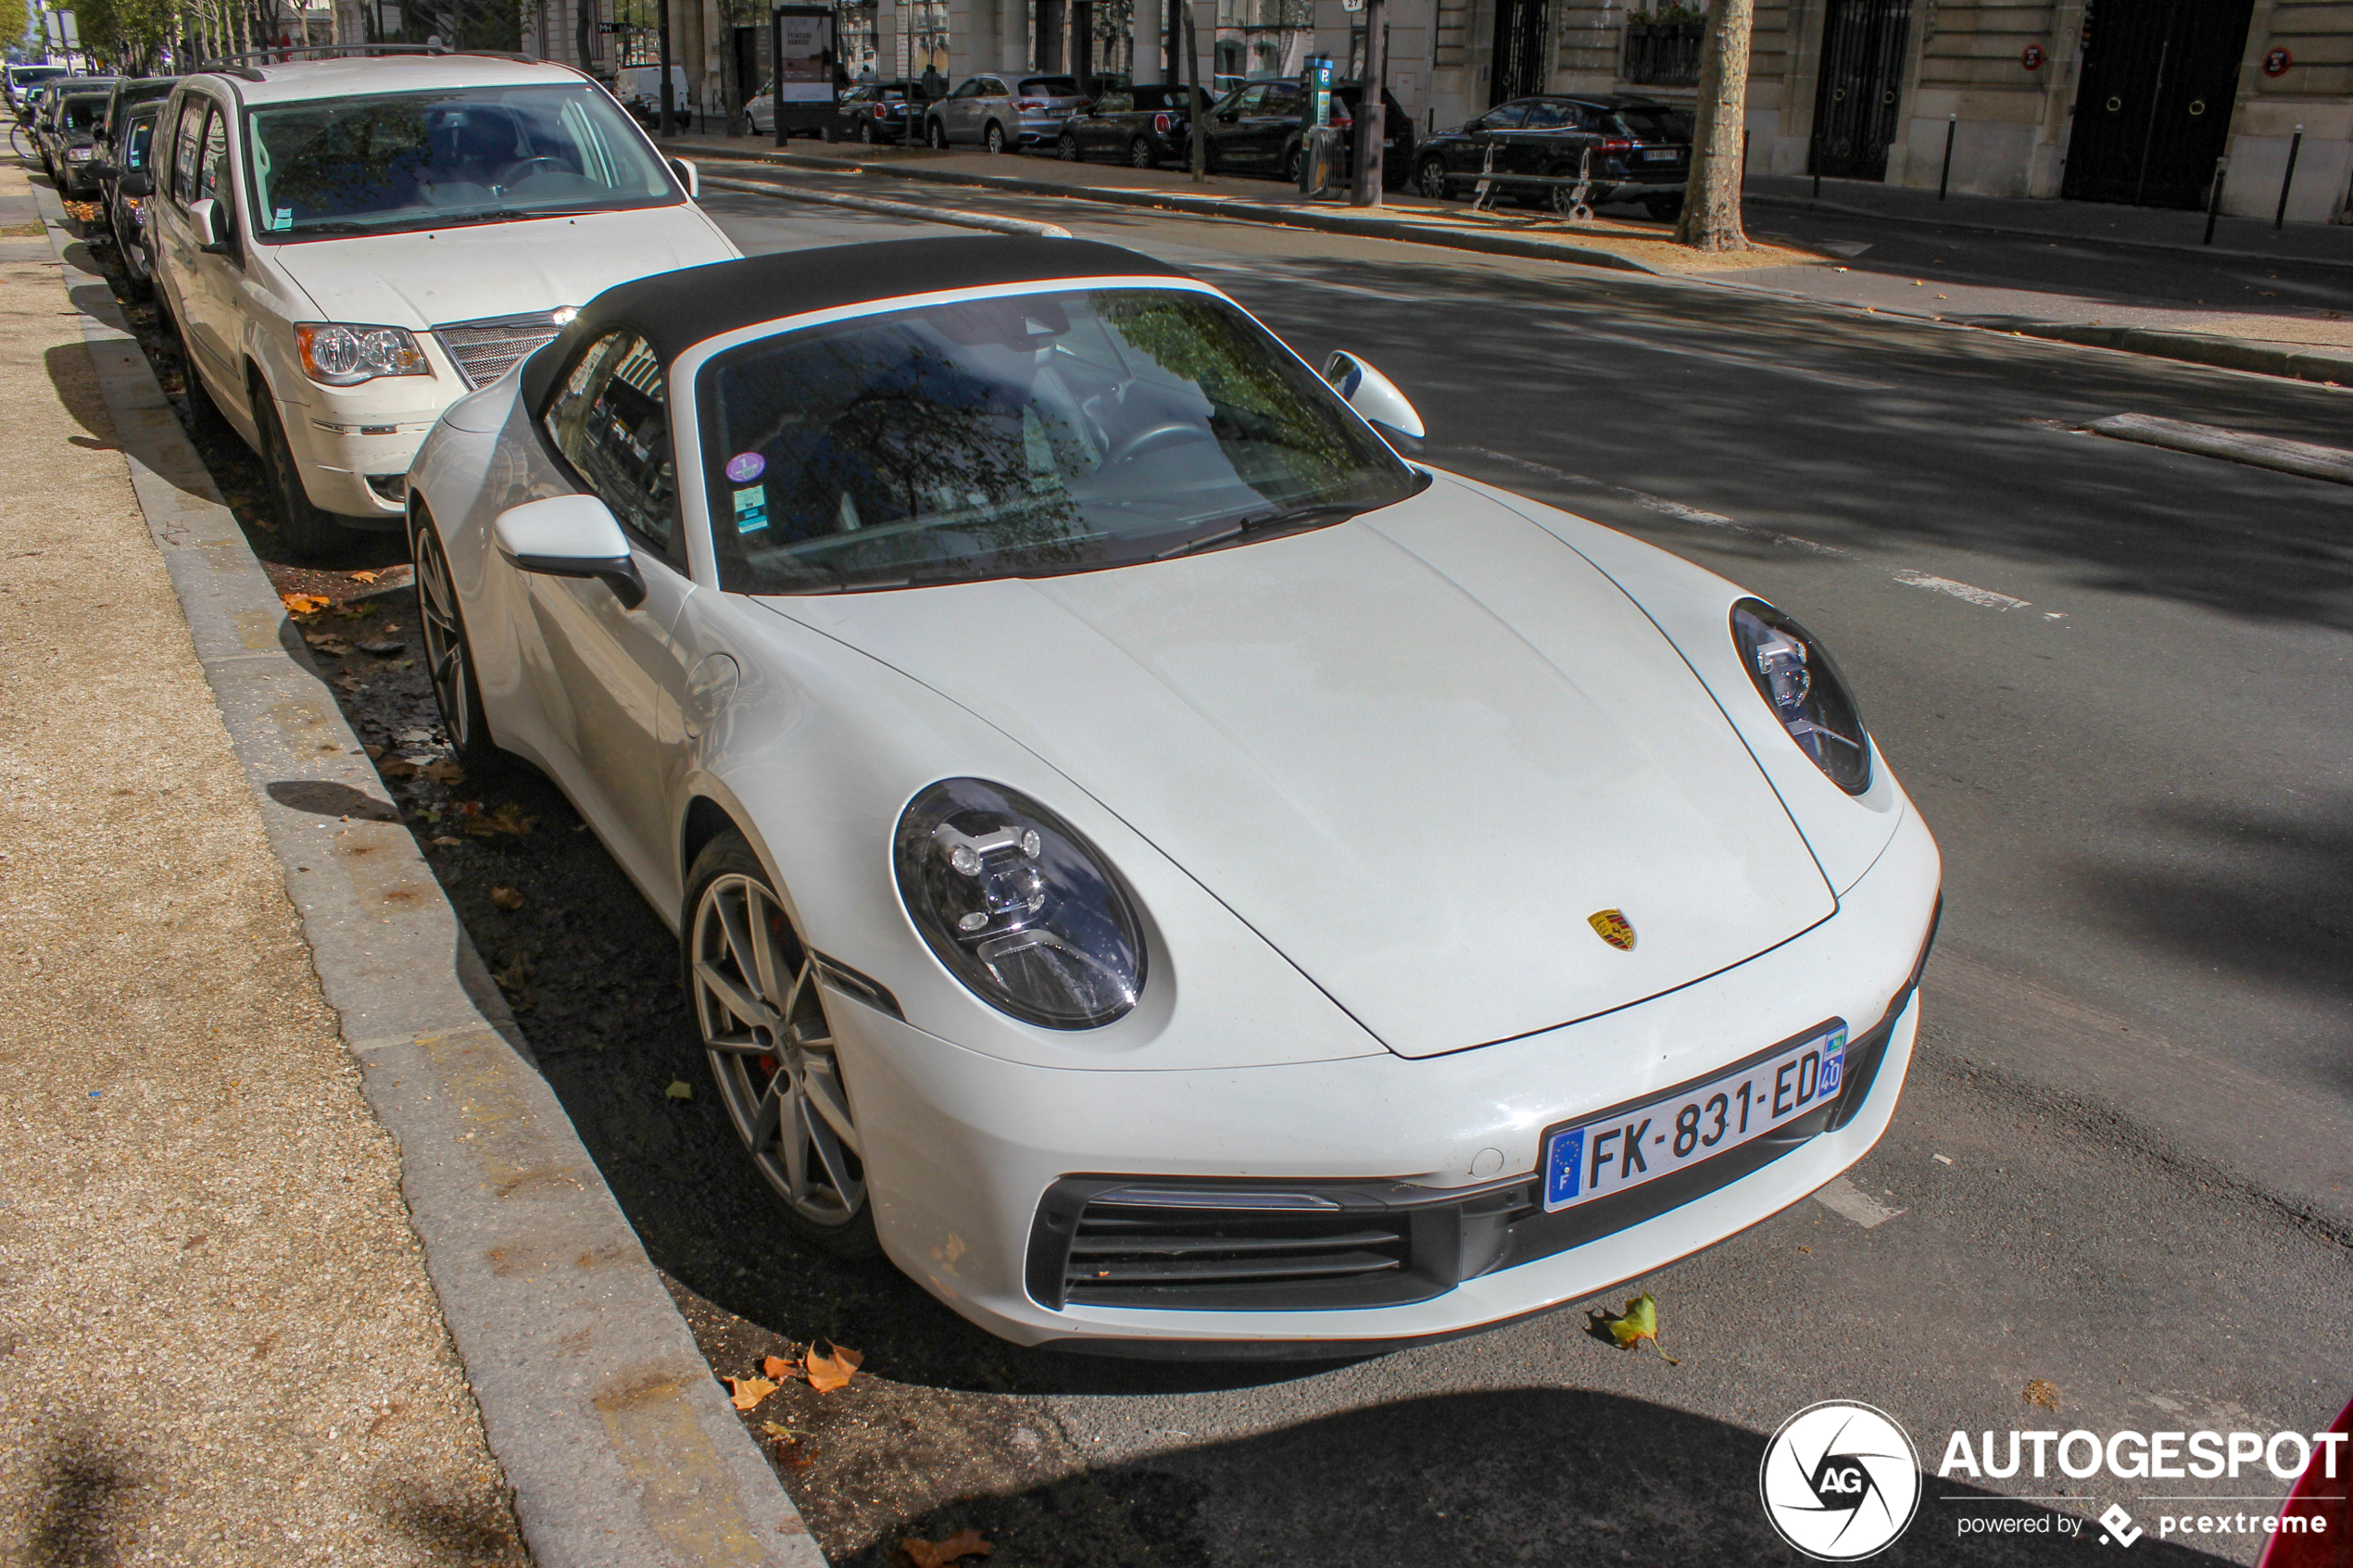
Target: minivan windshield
1023,435
334,167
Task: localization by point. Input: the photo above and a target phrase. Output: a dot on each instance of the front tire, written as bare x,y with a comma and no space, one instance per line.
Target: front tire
1294,164
309,530
449,656
1429,178
993,139
865,132
937,135
761,1007
1066,148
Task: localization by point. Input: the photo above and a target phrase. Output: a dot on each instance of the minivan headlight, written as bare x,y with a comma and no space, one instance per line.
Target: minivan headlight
1018,906
341,355
1795,677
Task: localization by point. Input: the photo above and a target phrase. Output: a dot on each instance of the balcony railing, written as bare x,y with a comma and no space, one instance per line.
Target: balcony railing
1663,54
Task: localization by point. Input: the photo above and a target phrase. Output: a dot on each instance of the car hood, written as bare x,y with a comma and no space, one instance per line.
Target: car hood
1415,752
432,276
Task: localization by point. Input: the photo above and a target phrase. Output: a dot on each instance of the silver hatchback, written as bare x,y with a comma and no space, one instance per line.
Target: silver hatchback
1002,111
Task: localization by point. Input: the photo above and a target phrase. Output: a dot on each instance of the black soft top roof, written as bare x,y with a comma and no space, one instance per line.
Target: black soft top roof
677,310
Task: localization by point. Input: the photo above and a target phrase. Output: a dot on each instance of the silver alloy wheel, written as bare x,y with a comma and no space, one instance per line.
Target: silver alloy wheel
1140,154
446,661
758,1002
994,139
1433,179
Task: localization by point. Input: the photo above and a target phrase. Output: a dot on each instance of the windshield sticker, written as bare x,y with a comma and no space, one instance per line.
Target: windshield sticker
283,218
745,467
751,507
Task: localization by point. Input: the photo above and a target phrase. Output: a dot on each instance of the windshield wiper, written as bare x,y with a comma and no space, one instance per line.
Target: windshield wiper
1264,523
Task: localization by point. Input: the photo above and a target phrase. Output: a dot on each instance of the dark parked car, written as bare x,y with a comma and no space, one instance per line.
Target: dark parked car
126,182
1642,151
880,111
129,92
1259,128
67,133
1143,127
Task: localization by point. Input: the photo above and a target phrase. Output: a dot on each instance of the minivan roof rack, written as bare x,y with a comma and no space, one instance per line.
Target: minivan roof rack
240,66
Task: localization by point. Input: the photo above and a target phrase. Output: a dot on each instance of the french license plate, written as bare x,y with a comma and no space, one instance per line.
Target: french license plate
1629,1147
1660,155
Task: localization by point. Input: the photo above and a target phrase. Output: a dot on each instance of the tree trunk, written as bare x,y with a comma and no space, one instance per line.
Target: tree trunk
1711,218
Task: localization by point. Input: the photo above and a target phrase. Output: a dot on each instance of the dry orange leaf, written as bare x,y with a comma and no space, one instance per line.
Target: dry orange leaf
505,898
746,1392
303,604
779,1368
365,576
506,819
2040,1392
826,1374
939,1554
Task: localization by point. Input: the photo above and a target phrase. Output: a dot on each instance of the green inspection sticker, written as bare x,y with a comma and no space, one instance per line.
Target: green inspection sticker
751,509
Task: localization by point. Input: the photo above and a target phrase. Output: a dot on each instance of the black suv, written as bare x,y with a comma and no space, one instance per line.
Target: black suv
1642,150
1259,128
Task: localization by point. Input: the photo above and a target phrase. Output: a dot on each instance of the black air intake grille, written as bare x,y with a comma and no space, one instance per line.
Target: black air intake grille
1125,1255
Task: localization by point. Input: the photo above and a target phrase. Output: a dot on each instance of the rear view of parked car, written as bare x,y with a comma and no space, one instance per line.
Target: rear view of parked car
880,111
346,247
1003,112
1142,127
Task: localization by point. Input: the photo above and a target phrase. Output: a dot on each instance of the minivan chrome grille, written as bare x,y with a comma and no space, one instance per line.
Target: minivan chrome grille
486,349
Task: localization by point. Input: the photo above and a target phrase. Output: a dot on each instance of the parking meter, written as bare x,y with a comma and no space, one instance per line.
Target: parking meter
1318,142
1315,82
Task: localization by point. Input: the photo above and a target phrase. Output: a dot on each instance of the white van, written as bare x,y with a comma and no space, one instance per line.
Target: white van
348,247
639,89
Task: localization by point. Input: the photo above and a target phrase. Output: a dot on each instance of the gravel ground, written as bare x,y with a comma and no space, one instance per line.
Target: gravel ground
217,1343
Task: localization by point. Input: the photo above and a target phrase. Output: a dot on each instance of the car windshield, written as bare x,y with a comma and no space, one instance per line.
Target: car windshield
83,113
420,160
1023,435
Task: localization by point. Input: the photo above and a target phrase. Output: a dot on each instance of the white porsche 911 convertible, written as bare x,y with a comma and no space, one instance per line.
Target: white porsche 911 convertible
1174,874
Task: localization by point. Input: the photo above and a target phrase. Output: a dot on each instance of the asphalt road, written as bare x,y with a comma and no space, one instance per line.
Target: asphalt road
2115,681
2113,678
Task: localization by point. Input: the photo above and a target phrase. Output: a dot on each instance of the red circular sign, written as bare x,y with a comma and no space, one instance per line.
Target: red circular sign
2032,57
2277,61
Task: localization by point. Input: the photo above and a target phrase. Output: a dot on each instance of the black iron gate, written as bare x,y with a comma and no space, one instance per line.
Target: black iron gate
1856,101
1520,67
2152,104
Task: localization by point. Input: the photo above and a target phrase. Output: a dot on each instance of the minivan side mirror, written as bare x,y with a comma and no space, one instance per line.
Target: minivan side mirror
137,182
1373,396
571,536
688,176
212,226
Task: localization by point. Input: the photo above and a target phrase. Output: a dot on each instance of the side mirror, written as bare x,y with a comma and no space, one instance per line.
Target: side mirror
137,182
571,536
688,176
212,226
1373,396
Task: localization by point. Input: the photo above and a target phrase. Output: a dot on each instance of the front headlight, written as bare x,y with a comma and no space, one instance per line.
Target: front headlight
1805,692
81,155
1018,906
342,356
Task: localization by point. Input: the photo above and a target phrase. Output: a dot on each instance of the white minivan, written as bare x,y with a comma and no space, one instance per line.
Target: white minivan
348,247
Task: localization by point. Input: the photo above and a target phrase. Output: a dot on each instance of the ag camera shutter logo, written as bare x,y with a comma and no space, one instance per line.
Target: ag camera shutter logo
1840,1481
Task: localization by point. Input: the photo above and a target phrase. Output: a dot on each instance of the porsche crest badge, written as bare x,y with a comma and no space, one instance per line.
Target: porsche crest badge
1613,927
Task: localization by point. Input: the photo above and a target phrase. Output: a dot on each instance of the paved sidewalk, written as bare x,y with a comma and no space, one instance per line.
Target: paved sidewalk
217,1343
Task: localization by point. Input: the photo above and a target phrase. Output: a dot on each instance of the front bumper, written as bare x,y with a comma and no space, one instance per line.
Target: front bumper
964,1150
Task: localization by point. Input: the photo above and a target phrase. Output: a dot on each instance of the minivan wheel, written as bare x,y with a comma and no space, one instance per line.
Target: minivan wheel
993,139
309,531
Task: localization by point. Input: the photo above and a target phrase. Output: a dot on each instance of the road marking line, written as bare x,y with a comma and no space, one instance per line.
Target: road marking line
1658,503
1842,1197
895,209
1747,362
1985,598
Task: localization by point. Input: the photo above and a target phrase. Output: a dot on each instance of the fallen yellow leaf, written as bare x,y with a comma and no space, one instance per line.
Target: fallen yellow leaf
1638,1322
303,604
505,898
939,1554
679,1090
746,1392
826,1374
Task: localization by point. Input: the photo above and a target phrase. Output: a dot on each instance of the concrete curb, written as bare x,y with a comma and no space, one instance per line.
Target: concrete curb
2198,348
1844,209
1336,221
620,1446
2332,463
